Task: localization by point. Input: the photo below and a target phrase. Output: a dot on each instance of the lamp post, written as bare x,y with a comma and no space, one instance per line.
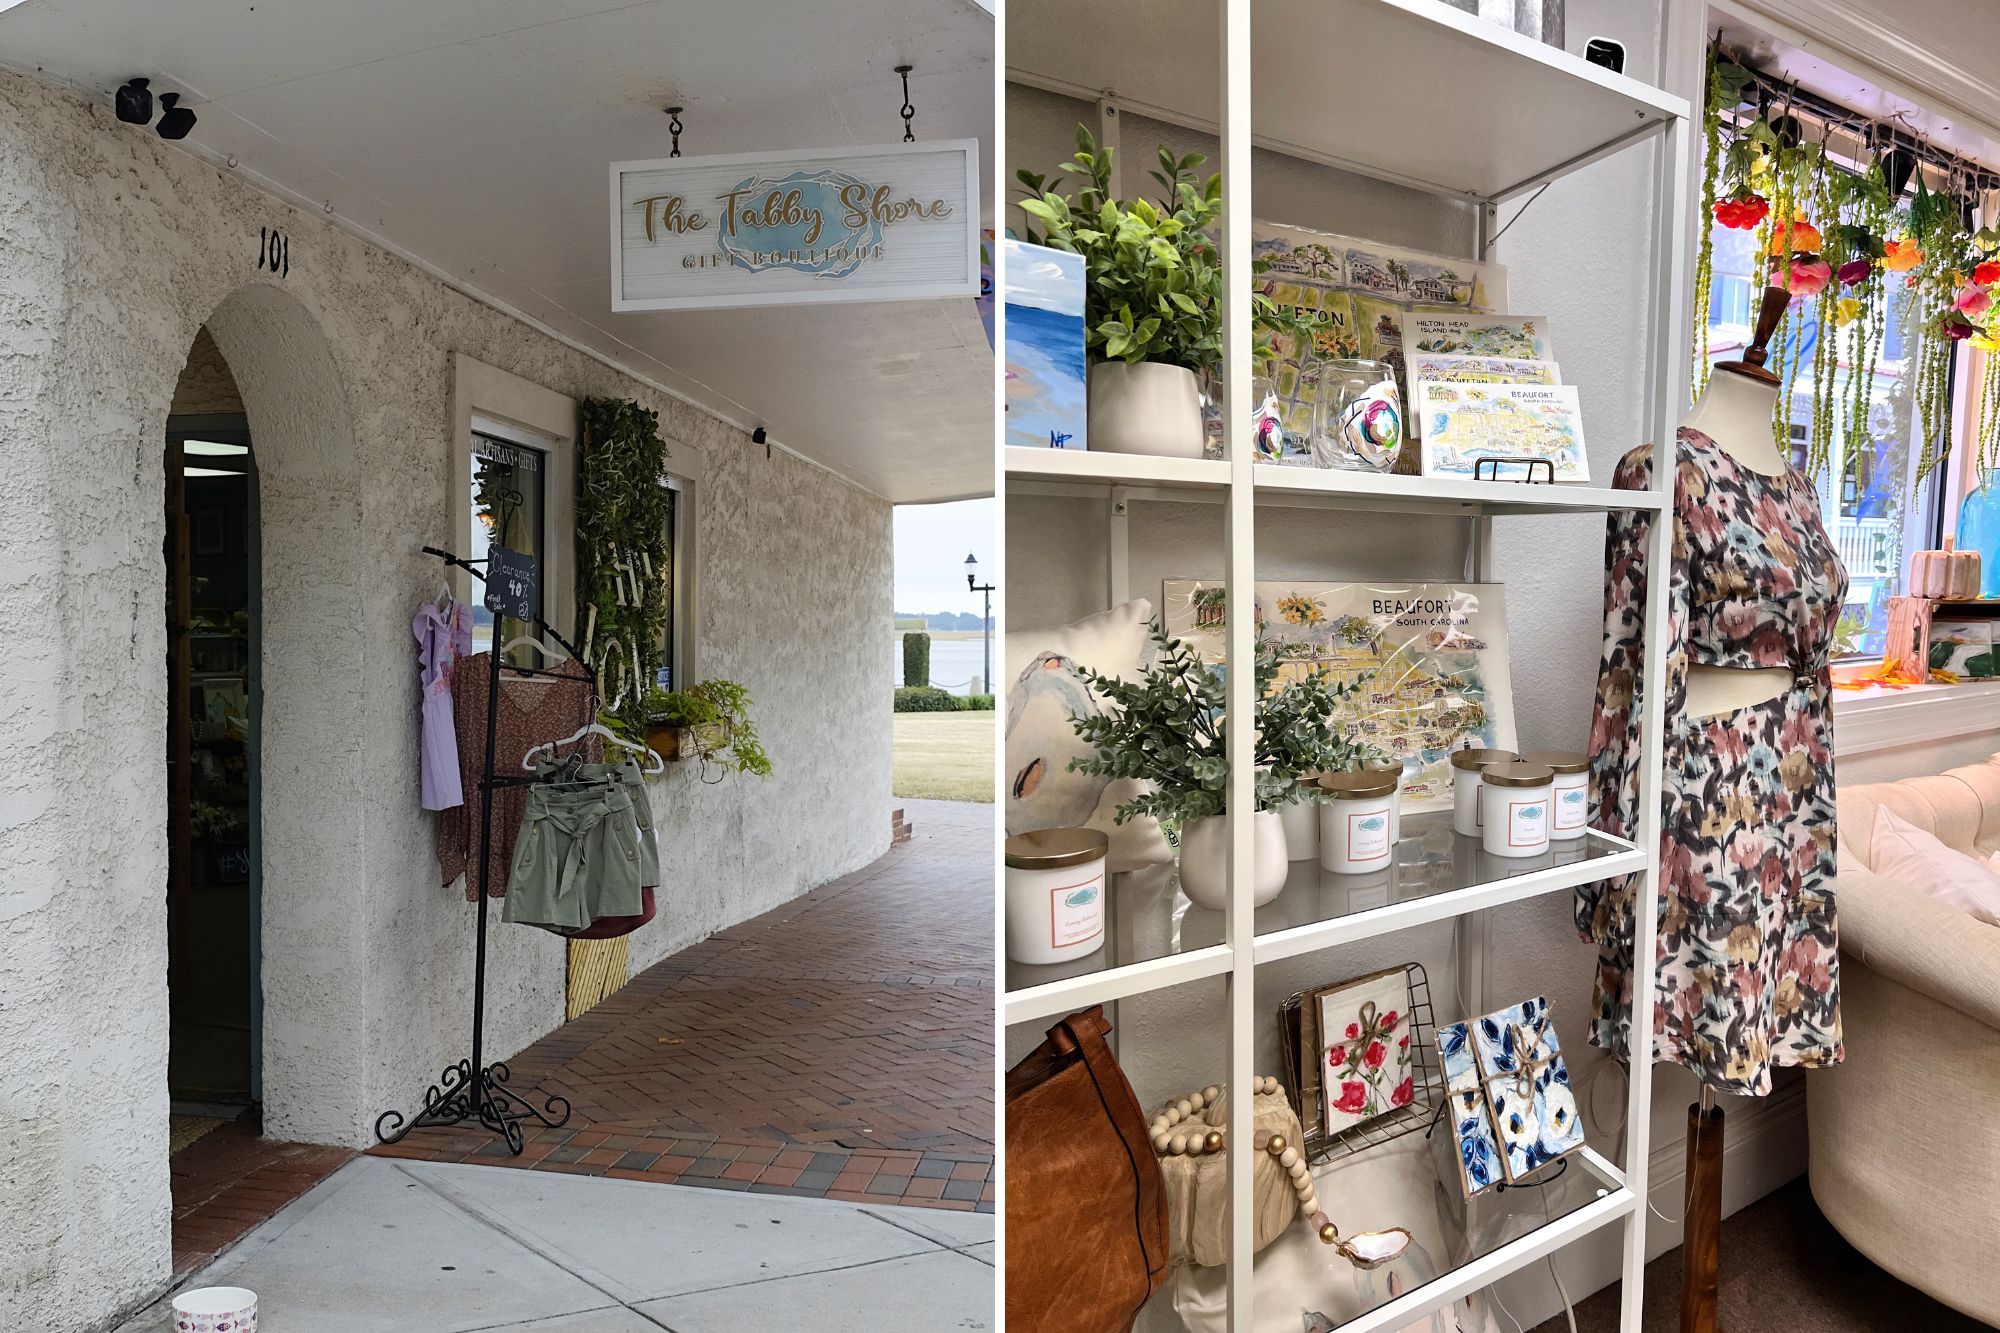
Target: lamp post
985,621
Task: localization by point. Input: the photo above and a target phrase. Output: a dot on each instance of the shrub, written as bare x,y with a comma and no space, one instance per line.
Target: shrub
924,699
916,659
976,703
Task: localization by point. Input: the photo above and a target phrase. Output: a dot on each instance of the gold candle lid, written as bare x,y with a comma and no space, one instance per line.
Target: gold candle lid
1471,761
1054,848
1514,773
1562,761
1358,784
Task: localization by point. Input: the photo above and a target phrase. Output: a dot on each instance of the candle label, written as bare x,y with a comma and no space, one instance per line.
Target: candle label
1368,835
1076,911
1528,822
1572,807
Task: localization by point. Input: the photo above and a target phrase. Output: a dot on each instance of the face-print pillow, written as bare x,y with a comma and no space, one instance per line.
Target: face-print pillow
1045,692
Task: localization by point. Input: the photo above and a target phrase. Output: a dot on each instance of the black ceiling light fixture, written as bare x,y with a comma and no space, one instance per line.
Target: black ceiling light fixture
135,102
175,120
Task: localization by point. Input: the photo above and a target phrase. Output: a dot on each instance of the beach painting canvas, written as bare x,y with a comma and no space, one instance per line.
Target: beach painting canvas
1047,406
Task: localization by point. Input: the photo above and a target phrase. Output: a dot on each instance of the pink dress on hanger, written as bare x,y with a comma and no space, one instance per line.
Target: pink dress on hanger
443,637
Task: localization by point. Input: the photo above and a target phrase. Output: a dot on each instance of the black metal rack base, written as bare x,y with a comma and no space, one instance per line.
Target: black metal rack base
460,1095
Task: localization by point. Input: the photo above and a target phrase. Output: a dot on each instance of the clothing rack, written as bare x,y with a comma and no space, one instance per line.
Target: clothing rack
472,1089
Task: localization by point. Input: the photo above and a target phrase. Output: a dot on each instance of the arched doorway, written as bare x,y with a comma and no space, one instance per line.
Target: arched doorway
267,723
213,867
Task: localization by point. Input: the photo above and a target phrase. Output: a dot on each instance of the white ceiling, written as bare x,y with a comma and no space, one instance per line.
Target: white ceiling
474,135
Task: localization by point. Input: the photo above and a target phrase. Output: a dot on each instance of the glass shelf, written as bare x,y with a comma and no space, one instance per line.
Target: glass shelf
1155,937
1457,1244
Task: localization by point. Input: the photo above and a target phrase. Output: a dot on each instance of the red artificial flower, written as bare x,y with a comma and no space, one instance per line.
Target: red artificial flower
1743,212
1353,1097
1987,274
1958,330
1855,270
1403,1093
1807,277
1336,1057
1374,1055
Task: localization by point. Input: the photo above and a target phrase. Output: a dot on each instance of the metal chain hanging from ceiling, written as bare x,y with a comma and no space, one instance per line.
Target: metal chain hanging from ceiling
674,127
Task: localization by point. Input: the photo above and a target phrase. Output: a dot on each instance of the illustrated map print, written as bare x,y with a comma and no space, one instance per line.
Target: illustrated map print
1432,656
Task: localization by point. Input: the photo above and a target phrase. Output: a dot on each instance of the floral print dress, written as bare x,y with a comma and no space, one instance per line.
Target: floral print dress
1748,975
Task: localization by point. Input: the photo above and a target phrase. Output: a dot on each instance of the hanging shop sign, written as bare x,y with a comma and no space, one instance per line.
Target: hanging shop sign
898,222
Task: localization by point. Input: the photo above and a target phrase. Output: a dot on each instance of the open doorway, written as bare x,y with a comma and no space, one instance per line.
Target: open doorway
211,606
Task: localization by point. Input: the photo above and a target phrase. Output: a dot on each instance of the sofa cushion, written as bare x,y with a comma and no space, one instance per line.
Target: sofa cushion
1909,855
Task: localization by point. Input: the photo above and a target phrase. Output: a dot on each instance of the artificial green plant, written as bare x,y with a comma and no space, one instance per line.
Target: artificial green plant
624,579
1169,728
714,717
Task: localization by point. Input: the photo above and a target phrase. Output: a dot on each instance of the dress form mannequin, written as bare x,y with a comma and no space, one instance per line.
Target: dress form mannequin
1736,413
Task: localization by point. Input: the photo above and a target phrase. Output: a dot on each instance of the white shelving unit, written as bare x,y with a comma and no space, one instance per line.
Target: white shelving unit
1498,114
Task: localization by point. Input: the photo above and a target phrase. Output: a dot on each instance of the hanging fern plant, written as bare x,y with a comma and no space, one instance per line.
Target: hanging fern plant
621,551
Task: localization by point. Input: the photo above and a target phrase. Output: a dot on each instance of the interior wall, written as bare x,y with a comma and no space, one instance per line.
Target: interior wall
119,250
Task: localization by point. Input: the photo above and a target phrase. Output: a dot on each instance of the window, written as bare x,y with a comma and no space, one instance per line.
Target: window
509,508
670,674
1869,499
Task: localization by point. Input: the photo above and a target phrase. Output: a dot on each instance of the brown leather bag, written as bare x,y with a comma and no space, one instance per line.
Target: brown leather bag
1086,1206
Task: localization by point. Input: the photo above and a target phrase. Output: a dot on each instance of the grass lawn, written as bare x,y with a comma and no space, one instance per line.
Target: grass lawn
944,756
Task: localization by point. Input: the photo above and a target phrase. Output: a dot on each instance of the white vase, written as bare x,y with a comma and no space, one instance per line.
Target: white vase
1204,865
1147,408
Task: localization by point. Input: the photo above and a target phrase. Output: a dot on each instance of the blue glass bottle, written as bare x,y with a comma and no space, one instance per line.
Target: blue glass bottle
1979,530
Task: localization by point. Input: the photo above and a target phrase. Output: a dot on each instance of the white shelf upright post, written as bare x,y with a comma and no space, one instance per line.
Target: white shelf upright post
1239,592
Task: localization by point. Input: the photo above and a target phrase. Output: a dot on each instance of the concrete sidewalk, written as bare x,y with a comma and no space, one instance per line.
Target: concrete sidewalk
386,1246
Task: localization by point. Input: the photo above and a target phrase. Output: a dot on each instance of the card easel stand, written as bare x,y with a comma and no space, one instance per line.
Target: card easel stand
472,1089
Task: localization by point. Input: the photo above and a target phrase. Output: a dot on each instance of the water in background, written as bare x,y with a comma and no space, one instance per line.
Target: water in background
954,662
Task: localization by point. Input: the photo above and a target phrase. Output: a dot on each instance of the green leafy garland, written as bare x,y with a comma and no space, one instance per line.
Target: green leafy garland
623,578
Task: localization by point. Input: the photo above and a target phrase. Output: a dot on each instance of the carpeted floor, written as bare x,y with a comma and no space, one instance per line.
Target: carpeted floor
1785,1268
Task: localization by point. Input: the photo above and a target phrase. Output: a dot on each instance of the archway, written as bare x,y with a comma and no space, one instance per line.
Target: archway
310,675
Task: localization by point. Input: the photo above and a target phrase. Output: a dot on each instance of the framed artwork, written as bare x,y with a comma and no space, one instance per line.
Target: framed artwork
1514,423
1432,658
1047,403
1527,1088
1363,1049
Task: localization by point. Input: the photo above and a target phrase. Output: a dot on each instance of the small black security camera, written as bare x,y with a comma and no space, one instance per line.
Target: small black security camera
135,102
175,121
1603,51
759,435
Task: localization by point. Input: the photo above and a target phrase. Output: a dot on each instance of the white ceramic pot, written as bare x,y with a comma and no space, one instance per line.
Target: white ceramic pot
1148,408
1301,821
216,1310
1205,860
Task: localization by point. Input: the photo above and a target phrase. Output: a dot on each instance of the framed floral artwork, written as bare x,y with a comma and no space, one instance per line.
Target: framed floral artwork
1363,1049
1478,1148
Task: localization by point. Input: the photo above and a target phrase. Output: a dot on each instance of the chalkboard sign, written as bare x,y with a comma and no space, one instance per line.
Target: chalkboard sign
510,583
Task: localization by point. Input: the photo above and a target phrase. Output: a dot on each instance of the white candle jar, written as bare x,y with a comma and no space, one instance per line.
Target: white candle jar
1569,815
1301,821
1392,768
1356,821
1516,797
1465,779
1055,894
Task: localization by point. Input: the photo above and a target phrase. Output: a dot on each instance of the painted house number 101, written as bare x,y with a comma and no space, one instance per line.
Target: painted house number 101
274,251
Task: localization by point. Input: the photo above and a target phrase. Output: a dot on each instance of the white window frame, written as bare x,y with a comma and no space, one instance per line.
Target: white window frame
489,401
684,559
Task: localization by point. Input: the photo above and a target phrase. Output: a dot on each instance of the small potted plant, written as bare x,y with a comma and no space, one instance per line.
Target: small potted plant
1168,728
1152,296
709,721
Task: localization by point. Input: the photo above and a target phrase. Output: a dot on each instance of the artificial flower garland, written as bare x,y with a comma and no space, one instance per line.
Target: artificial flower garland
1833,239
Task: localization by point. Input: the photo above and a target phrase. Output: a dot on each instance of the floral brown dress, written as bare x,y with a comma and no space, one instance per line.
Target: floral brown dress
1748,975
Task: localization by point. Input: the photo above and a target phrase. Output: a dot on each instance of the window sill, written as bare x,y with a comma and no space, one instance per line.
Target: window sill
1880,718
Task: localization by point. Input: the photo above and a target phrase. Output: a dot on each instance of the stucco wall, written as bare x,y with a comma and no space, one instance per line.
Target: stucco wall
117,250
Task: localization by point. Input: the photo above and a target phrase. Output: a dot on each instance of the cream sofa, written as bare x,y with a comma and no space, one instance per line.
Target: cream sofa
1906,1134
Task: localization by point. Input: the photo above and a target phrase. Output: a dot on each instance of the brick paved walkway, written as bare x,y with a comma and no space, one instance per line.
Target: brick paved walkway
231,1179
840,1046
